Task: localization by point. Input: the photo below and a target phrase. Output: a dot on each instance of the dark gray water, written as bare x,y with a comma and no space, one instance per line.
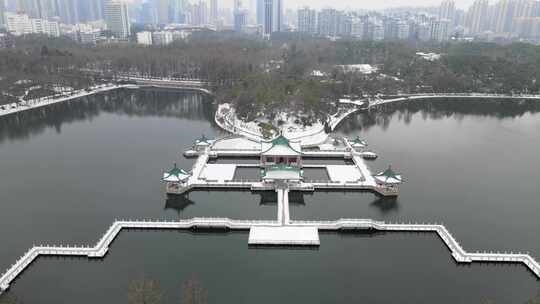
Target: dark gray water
67,171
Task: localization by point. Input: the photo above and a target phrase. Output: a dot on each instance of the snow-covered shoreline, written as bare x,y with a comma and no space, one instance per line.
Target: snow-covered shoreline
225,118
37,103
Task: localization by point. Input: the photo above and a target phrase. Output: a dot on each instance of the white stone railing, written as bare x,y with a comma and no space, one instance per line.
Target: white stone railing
102,246
405,97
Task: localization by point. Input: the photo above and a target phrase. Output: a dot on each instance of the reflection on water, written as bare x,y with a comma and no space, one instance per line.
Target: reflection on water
161,103
178,203
386,204
436,109
267,198
87,159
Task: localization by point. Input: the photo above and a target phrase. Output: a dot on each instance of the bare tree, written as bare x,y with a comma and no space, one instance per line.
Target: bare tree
144,291
193,292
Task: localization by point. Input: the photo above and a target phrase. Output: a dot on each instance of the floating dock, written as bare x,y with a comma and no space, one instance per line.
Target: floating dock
284,236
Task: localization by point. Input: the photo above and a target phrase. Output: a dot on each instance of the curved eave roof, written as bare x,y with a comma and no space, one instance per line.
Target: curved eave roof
280,146
389,177
175,175
389,180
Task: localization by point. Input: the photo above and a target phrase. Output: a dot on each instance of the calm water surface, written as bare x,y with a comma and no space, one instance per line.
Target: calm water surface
69,170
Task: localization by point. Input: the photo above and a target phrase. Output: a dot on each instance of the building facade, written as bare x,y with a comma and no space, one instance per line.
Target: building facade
22,24
117,18
273,16
307,20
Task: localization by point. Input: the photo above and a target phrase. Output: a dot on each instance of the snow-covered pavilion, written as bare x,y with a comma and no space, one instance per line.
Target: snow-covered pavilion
358,143
202,143
176,175
281,160
281,151
388,178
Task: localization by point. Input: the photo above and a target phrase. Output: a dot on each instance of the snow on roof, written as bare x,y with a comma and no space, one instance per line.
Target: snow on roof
388,177
203,141
358,142
175,175
429,56
362,68
281,146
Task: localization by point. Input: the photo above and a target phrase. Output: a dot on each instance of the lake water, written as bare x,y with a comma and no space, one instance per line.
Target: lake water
69,170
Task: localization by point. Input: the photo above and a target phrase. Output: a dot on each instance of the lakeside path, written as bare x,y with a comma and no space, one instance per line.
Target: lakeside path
38,103
166,83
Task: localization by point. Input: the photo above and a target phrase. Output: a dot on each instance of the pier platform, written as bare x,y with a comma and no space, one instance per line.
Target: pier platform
284,236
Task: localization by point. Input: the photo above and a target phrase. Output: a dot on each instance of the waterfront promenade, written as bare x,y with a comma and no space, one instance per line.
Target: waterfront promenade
137,82
435,96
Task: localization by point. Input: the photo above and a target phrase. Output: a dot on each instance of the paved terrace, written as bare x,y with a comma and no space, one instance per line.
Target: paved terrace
205,175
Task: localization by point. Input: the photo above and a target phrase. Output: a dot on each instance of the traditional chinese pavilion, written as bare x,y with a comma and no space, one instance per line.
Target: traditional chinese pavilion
281,159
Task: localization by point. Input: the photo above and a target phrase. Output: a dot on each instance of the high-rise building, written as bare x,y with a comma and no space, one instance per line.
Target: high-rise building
148,13
402,30
237,5
447,10
329,22
477,16
260,11
68,11
358,28
177,11
37,8
390,28
214,11
21,24
162,11
95,9
240,20
528,27
439,29
503,14
307,20
117,18
273,16
199,13
2,10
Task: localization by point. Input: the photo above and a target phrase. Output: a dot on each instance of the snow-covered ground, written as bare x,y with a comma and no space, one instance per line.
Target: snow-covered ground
234,143
218,172
360,68
344,173
41,102
309,136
